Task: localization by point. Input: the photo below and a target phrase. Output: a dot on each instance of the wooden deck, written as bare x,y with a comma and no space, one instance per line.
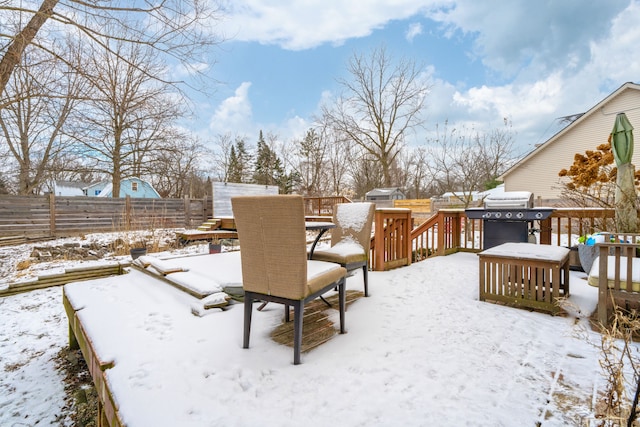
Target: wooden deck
82,305
71,274
211,235
225,228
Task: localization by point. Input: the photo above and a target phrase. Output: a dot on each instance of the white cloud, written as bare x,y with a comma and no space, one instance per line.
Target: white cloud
295,128
552,68
615,57
541,62
414,30
305,24
234,114
521,33
182,71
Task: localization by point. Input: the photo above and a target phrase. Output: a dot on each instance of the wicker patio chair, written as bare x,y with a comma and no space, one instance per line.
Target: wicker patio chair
271,230
351,239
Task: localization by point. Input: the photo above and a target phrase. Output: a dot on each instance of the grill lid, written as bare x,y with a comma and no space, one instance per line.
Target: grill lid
509,200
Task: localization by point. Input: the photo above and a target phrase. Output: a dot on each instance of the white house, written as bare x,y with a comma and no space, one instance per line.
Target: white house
68,188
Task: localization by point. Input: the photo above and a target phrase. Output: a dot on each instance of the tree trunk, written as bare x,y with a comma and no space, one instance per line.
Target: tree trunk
625,199
14,52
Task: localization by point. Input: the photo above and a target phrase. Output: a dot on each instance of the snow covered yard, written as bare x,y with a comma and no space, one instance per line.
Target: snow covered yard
422,350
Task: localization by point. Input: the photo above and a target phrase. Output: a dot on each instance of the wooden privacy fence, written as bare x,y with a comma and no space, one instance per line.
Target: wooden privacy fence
55,216
417,206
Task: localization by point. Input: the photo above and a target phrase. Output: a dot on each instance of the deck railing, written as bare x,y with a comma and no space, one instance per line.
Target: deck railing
391,246
322,206
566,225
449,231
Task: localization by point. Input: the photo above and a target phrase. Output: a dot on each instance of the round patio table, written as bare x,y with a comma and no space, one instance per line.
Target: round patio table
321,227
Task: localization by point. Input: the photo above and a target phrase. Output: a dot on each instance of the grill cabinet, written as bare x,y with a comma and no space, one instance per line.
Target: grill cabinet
507,217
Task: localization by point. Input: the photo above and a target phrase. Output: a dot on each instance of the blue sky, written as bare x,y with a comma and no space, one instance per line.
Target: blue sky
531,62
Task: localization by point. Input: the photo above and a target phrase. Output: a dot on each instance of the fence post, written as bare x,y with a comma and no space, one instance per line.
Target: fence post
545,232
52,214
379,241
456,229
408,226
187,212
127,212
442,230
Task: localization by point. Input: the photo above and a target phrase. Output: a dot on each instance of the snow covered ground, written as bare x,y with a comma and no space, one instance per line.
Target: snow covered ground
33,328
422,350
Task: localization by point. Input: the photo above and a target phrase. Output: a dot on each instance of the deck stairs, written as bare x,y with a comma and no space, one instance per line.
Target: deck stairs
210,224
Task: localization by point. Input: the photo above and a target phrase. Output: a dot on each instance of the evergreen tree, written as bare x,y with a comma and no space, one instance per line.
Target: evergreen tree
311,169
268,168
233,174
288,182
239,162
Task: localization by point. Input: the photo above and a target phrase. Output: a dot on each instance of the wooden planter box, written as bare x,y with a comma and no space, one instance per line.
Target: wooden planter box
525,275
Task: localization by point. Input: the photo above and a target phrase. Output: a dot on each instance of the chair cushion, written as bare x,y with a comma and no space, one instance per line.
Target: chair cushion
162,267
594,274
346,251
320,274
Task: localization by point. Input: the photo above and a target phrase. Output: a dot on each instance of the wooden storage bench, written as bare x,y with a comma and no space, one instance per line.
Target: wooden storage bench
525,275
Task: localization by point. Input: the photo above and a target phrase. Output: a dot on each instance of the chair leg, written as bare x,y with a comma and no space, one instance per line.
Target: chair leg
342,296
248,307
365,275
298,314
287,317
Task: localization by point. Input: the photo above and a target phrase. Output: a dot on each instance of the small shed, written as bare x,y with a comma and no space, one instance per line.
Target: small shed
381,194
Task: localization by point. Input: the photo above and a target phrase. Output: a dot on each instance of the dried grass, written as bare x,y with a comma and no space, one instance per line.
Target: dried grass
617,404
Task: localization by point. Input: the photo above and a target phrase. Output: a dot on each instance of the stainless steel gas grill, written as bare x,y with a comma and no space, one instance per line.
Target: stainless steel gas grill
508,217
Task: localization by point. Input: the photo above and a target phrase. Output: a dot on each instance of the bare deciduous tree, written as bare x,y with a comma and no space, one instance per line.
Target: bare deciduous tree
413,164
220,167
176,169
380,104
309,164
129,112
465,160
177,28
364,171
42,93
336,155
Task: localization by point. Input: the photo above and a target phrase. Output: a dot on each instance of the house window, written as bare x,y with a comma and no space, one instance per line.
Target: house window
134,186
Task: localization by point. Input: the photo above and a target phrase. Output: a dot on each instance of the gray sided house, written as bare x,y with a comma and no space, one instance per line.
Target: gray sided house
384,194
537,172
132,187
